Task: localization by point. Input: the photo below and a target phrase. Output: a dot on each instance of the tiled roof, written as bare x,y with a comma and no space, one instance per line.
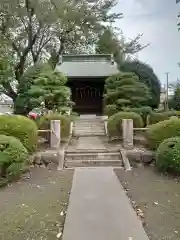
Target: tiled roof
98,65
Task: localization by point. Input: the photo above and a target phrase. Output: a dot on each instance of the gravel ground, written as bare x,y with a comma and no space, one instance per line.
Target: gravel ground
158,197
34,209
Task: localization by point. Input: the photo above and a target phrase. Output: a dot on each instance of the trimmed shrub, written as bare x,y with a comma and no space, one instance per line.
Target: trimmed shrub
45,122
115,122
143,111
178,114
109,110
158,132
12,153
168,155
73,116
174,117
155,117
15,170
22,128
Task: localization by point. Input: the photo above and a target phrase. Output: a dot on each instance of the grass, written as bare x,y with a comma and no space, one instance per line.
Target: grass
30,209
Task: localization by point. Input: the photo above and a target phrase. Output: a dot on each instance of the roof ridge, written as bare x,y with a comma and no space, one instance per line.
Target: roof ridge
87,57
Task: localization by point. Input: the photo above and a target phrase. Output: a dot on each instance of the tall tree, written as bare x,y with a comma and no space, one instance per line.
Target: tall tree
49,87
35,31
174,101
147,76
25,102
112,41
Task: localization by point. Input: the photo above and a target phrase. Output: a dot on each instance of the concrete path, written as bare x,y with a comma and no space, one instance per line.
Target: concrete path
87,143
99,208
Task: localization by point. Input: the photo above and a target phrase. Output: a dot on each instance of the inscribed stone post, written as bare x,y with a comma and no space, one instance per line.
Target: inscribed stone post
127,129
55,134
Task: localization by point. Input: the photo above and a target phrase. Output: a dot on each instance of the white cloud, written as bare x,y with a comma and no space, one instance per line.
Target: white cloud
157,19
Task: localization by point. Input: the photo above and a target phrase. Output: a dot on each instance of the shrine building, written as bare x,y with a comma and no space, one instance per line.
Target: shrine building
86,78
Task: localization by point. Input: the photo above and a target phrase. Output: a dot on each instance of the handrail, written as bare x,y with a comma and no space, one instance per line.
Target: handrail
44,130
143,129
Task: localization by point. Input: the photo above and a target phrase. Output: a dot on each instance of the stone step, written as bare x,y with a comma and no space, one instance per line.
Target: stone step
88,124
89,120
84,134
91,117
93,163
93,156
89,127
72,150
89,130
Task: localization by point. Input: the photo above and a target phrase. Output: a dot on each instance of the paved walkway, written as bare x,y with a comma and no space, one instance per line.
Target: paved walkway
87,143
99,208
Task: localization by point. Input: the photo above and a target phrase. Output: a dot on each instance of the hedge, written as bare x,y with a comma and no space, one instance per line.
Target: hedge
13,157
44,123
115,122
158,132
155,117
168,155
22,128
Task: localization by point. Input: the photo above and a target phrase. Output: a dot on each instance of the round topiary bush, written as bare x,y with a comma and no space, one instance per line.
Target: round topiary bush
109,110
155,117
168,155
115,122
22,128
158,132
13,156
44,123
144,111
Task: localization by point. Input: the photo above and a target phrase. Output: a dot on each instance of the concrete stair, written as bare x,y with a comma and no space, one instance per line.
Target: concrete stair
87,149
89,127
92,158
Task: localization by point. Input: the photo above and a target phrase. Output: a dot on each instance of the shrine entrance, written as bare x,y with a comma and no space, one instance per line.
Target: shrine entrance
87,94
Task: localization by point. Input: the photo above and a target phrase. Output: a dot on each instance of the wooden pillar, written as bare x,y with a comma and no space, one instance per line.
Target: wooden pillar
55,139
127,129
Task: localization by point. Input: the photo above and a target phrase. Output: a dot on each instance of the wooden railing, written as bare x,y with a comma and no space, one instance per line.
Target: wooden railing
55,133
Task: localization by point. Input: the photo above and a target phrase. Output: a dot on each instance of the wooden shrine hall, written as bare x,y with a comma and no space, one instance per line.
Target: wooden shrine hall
86,78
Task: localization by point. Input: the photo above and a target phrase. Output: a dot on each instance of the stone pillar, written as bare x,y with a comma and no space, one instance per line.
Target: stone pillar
127,130
55,139
105,127
60,155
71,128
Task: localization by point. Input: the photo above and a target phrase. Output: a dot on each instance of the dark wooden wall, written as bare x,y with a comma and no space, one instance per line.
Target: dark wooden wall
87,95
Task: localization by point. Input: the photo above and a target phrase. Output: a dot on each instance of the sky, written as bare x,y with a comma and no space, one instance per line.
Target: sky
157,20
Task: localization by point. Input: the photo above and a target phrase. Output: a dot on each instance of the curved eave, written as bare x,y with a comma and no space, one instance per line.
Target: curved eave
87,69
